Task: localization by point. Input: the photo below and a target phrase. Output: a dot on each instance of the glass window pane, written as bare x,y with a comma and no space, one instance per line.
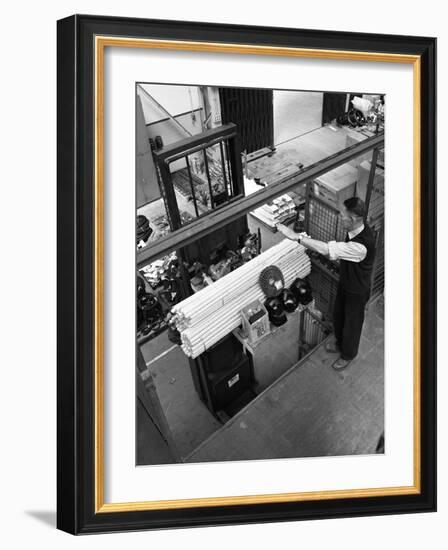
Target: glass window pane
219,176
185,182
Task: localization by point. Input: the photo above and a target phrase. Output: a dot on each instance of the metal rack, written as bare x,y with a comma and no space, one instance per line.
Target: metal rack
313,331
322,222
324,283
375,219
378,268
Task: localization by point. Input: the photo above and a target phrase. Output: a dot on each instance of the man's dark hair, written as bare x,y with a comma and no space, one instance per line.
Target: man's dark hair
355,206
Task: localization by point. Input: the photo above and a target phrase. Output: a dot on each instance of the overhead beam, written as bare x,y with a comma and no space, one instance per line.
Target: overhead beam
239,207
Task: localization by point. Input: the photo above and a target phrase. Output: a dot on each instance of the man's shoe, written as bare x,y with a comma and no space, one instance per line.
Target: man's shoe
332,347
340,364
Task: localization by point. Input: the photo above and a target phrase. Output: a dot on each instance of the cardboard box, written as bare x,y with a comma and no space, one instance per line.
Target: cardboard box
336,186
353,138
363,180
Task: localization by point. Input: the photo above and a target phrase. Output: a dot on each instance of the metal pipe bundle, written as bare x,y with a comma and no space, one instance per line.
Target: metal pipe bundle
212,313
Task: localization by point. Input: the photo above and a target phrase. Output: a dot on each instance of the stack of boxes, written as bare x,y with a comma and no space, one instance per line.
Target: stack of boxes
277,211
328,192
354,137
336,186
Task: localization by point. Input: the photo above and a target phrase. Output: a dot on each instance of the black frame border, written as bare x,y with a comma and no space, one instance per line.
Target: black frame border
76,262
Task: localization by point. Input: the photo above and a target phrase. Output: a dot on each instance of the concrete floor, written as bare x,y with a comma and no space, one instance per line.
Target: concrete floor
147,438
311,411
188,418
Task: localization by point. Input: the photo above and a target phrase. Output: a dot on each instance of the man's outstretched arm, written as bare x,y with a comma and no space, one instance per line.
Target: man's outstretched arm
303,238
350,252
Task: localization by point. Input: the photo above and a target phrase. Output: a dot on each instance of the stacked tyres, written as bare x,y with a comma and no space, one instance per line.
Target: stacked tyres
288,300
143,229
353,118
302,291
356,118
277,315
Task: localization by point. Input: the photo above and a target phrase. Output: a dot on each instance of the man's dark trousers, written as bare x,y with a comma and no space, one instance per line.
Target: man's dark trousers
348,319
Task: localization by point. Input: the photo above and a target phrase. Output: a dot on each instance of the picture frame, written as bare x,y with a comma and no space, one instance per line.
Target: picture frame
82,41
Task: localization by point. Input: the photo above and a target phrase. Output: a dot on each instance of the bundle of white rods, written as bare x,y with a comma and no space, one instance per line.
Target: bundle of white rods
213,312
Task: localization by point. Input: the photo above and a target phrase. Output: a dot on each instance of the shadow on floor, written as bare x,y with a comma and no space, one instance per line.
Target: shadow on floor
47,517
189,419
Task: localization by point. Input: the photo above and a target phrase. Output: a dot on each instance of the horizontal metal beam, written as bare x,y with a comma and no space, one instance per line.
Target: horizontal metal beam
230,212
179,147
197,148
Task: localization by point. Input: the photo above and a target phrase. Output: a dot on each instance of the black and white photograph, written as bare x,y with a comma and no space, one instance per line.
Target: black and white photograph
231,274
259,273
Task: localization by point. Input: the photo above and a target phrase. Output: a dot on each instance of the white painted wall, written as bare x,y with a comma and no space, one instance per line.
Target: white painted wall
296,113
175,99
181,102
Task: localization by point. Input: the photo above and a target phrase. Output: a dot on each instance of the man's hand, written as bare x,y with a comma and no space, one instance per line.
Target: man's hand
287,232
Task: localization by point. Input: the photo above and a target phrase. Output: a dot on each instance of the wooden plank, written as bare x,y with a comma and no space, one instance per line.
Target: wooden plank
258,154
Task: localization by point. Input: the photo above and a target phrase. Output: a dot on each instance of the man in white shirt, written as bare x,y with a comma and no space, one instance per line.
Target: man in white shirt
356,256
